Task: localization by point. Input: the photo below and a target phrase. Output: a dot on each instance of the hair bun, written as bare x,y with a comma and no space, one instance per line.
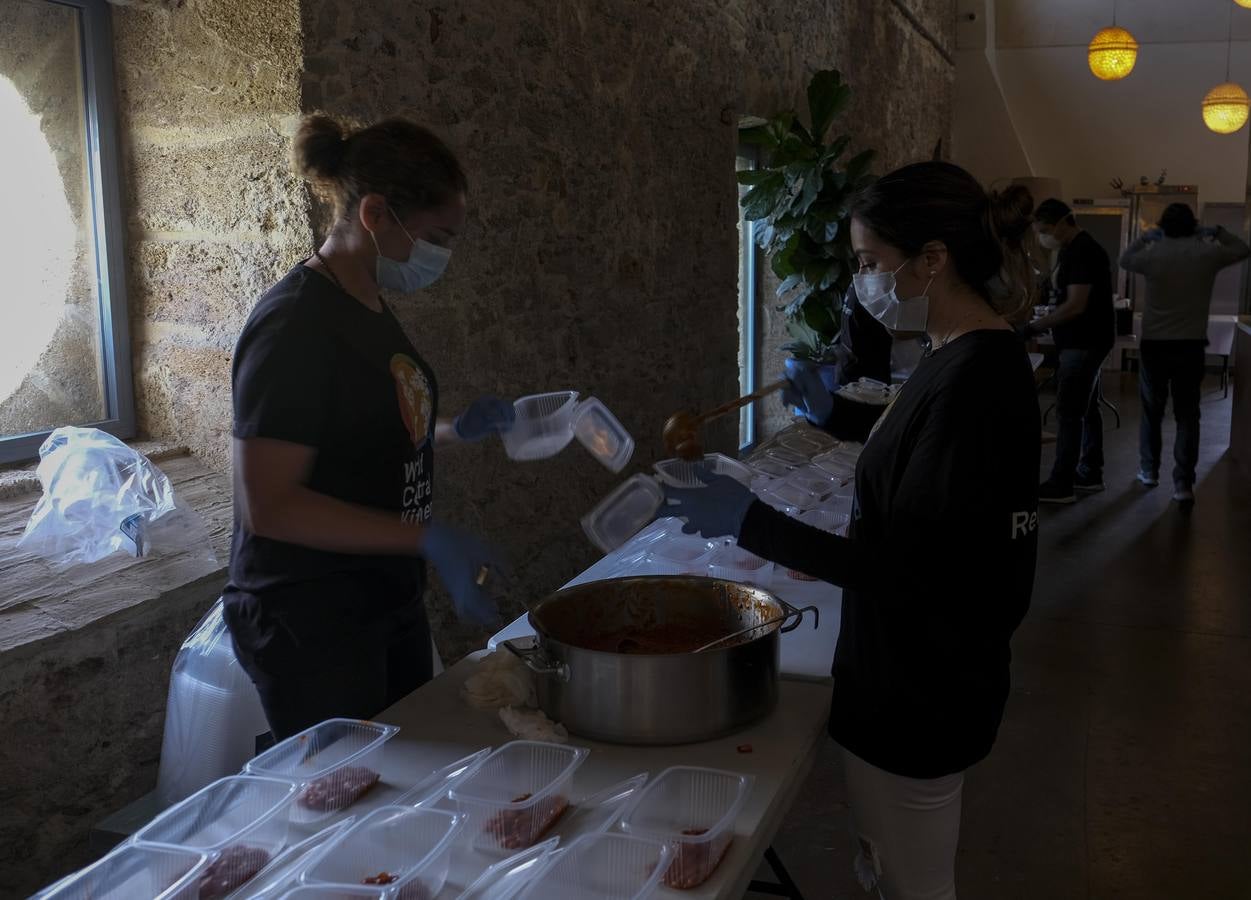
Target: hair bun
1010,212
320,147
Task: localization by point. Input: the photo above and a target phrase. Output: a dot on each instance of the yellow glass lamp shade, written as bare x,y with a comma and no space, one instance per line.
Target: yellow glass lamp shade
1225,108
1112,54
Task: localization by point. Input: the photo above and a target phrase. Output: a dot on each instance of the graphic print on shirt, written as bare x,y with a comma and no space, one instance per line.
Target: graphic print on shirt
416,401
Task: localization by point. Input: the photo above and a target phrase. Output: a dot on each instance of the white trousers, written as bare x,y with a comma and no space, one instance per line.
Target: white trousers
906,829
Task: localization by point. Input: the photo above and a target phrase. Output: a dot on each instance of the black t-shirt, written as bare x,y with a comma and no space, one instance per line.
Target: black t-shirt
315,367
939,565
1084,261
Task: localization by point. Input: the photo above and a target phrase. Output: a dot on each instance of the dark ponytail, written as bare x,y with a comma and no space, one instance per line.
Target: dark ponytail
396,158
985,234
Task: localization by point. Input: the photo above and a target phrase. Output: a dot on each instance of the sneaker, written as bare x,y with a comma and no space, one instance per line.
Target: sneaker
1088,483
1183,494
1145,477
1053,492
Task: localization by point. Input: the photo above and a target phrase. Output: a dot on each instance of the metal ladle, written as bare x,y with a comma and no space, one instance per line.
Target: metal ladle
681,432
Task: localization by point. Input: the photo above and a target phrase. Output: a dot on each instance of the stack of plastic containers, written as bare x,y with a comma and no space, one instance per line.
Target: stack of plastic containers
332,764
212,715
405,848
602,867
692,810
518,793
240,823
546,423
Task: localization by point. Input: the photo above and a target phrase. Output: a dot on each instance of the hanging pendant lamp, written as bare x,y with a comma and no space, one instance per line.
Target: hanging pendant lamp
1112,51
1245,4
1226,106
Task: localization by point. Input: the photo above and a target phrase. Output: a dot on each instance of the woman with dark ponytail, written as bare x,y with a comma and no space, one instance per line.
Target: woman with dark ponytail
336,417
938,565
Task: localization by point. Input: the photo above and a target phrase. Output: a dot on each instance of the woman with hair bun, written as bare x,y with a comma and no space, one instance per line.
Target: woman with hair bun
938,566
336,416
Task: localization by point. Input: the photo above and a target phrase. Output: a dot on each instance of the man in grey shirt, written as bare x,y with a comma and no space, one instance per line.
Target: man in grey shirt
1180,262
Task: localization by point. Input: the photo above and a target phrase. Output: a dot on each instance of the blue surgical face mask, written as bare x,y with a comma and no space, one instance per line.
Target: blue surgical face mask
876,293
425,263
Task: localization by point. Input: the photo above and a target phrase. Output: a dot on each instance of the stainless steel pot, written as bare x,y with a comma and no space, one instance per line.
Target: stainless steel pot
660,698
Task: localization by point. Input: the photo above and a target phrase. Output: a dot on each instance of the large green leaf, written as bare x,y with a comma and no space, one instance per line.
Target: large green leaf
789,284
765,197
757,136
824,91
752,176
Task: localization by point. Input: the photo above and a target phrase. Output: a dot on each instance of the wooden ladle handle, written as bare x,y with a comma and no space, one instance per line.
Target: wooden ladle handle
724,408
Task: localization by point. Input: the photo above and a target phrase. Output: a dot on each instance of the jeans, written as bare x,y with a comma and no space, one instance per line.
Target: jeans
1175,365
1079,434
907,831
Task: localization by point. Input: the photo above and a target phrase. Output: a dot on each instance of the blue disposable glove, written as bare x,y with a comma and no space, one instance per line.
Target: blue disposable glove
1151,235
485,416
462,560
808,392
715,510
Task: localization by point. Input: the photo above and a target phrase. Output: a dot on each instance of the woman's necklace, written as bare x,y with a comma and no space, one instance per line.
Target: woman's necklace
950,334
329,271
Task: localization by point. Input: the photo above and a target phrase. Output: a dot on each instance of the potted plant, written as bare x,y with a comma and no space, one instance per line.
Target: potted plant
799,200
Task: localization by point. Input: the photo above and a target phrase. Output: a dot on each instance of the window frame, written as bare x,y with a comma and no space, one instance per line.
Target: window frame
749,308
102,165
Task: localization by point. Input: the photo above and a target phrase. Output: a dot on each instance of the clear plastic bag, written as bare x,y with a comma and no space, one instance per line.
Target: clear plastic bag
101,497
213,715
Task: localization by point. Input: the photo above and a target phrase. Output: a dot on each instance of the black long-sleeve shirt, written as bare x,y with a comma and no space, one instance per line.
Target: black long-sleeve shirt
939,565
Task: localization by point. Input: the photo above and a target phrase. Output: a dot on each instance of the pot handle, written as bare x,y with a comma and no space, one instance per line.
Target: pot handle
538,662
798,613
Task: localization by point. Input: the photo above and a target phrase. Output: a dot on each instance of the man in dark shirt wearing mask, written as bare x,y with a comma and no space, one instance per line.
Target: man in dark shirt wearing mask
1084,326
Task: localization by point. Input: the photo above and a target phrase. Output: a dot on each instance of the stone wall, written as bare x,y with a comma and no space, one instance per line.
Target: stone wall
901,106
206,91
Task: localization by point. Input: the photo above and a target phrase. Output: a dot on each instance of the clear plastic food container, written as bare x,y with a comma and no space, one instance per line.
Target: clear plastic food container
769,467
602,867
788,497
407,850
827,520
546,423
809,442
693,810
134,870
736,564
331,892
620,515
333,763
440,781
241,822
517,794
601,810
786,457
602,434
814,481
682,472
840,463
284,870
682,548
506,878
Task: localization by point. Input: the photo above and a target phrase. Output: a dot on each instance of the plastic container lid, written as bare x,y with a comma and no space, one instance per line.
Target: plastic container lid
770,467
315,755
439,782
786,457
693,809
826,519
620,515
807,441
406,844
683,548
599,431
681,472
543,427
602,867
134,870
506,878
788,497
231,811
518,793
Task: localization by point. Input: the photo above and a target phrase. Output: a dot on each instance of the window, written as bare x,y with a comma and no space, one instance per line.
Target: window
748,309
64,342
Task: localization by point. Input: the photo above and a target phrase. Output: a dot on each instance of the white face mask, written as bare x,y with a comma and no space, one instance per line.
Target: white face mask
425,263
1049,241
876,293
